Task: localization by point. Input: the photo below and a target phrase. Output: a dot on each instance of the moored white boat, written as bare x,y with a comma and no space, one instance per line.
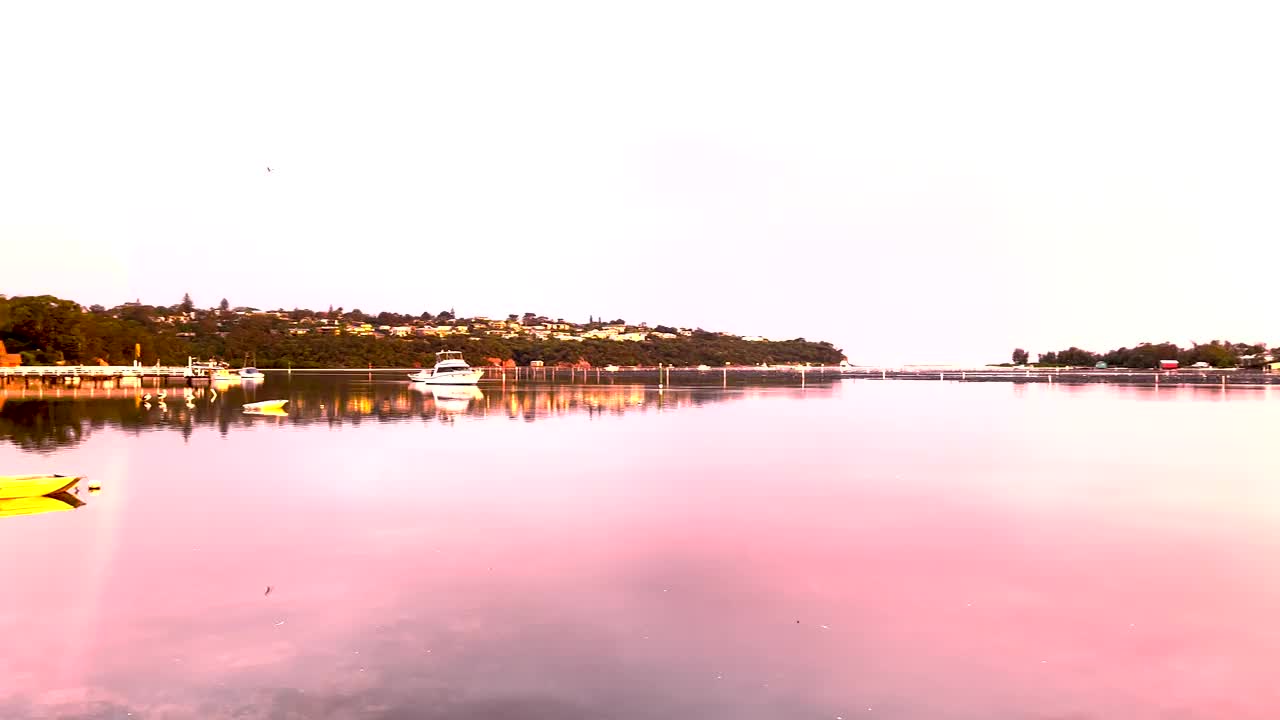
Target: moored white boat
450,369
247,370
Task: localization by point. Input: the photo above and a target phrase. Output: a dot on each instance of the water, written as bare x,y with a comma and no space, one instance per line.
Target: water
849,549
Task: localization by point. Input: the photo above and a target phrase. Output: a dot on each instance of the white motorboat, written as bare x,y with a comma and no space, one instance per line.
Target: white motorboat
450,369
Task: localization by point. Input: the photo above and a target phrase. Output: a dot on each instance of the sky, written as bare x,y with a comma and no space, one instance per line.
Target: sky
914,182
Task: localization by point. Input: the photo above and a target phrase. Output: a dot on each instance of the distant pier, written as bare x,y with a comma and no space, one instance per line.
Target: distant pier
93,371
668,375
74,374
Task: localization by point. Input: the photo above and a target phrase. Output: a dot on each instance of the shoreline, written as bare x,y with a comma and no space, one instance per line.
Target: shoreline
1232,377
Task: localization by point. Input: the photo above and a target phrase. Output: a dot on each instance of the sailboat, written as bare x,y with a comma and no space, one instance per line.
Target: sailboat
249,372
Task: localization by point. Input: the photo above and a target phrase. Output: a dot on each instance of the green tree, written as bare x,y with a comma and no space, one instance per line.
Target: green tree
1020,357
47,329
187,306
224,305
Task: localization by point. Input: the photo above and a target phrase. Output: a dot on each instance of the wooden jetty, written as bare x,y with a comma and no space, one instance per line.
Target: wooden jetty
75,373
92,371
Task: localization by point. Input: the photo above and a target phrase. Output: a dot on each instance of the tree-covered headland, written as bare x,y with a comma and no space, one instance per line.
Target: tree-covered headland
49,330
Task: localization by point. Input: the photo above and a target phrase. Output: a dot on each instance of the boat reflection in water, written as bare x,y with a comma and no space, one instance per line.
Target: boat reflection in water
40,504
454,398
42,420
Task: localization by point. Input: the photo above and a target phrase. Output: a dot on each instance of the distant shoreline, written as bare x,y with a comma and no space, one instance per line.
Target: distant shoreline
1083,376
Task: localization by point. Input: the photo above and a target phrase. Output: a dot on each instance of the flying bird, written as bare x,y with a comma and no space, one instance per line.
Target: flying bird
268,592
268,169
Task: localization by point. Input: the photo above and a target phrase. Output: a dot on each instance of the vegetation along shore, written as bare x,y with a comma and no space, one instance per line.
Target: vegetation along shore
1216,354
46,330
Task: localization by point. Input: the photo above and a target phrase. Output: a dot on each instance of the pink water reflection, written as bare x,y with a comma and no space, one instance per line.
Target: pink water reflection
882,549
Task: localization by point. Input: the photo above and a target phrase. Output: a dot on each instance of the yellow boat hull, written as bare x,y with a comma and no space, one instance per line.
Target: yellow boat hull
270,412
36,505
25,486
265,405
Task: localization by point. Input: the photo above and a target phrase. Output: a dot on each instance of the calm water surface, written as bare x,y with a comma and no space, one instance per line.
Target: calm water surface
846,550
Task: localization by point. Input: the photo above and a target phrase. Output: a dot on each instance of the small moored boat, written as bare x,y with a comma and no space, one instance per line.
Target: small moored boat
265,405
450,369
25,486
267,412
223,376
247,371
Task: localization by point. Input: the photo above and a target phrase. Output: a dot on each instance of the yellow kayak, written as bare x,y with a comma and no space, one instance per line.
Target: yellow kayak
37,505
25,486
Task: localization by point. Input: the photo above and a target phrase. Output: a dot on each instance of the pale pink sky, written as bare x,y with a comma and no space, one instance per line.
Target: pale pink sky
914,182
